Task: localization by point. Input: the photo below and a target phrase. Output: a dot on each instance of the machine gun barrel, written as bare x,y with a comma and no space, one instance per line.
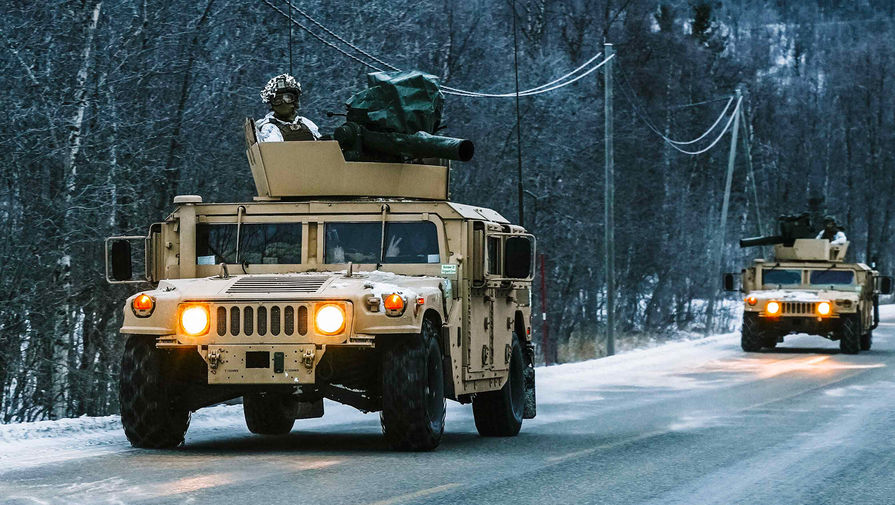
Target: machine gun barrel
757,241
354,137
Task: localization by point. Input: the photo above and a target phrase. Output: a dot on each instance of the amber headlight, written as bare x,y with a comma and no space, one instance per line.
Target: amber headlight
194,319
824,308
772,308
394,304
143,305
330,319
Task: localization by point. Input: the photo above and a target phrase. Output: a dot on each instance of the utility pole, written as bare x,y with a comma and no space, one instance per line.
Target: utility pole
545,340
722,232
518,121
609,203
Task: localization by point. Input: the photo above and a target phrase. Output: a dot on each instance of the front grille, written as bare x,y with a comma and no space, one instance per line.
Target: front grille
278,284
276,319
799,308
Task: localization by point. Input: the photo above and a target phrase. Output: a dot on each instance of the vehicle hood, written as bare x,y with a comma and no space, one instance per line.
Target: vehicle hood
298,286
804,295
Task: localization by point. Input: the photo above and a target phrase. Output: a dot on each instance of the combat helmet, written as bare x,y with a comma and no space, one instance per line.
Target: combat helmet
280,84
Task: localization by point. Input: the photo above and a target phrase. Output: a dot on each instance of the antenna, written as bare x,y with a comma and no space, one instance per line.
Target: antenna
290,39
518,119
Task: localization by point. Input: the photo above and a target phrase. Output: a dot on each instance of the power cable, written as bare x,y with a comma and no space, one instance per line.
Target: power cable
337,37
321,39
674,143
533,91
703,102
543,88
652,127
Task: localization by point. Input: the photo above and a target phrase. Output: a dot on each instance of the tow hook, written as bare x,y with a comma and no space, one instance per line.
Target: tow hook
214,359
307,359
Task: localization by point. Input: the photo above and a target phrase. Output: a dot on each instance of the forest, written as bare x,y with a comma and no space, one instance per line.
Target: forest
113,108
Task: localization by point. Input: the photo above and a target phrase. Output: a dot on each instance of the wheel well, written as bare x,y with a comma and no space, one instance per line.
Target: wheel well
519,326
433,316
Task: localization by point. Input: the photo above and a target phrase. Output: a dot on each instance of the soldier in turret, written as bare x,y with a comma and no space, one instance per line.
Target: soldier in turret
832,232
283,122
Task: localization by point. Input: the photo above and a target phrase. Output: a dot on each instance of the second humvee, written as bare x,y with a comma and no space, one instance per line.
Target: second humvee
808,288
355,281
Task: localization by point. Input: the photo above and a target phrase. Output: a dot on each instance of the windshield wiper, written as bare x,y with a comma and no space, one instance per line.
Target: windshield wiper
385,209
239,211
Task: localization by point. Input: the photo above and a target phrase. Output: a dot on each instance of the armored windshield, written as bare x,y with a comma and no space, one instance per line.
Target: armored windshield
832,278
781,277
268,243
415,242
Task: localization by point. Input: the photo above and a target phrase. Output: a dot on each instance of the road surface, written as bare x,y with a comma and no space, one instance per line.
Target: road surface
696,422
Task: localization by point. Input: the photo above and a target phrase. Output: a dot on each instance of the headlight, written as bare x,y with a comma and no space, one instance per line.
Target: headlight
824,308
772,308
194,319
751,300
143,305
330,319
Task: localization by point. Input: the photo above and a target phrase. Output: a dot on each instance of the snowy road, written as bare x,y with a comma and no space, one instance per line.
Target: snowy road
696,422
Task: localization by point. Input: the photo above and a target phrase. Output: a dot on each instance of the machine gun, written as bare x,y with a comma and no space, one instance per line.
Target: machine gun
395,119
790,228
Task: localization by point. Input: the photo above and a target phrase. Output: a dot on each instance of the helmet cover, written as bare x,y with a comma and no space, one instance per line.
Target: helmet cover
280,84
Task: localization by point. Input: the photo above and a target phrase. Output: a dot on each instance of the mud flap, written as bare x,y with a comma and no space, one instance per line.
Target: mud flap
309,410
531,404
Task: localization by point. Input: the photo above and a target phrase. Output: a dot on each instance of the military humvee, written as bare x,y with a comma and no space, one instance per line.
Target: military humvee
356,281
808,288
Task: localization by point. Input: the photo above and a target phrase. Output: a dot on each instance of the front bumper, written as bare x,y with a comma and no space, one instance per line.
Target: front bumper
814,325
262,364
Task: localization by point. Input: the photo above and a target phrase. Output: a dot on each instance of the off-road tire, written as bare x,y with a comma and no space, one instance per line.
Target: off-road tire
268,413
752,338
413,404
850,334
149,412
499,413
867,340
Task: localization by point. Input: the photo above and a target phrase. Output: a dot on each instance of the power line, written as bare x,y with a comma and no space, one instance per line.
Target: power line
533,91
676,143
653,127
543,88
337,37
321,39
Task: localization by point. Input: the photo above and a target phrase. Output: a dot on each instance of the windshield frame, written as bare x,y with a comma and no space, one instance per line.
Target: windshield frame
850,286
778,268
377,219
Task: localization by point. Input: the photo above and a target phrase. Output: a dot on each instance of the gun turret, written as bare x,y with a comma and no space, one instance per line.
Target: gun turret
790,228
395,119
355,141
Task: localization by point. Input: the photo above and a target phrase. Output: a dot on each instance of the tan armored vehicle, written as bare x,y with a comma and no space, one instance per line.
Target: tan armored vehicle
808,288
356,281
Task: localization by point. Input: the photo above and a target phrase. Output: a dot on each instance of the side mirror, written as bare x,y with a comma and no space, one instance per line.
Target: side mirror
885,285
518,258
730,282
122,269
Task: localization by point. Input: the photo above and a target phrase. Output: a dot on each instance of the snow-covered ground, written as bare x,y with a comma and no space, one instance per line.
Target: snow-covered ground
32,444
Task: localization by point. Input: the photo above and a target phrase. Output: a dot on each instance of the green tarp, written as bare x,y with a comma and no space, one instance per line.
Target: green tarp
400,102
